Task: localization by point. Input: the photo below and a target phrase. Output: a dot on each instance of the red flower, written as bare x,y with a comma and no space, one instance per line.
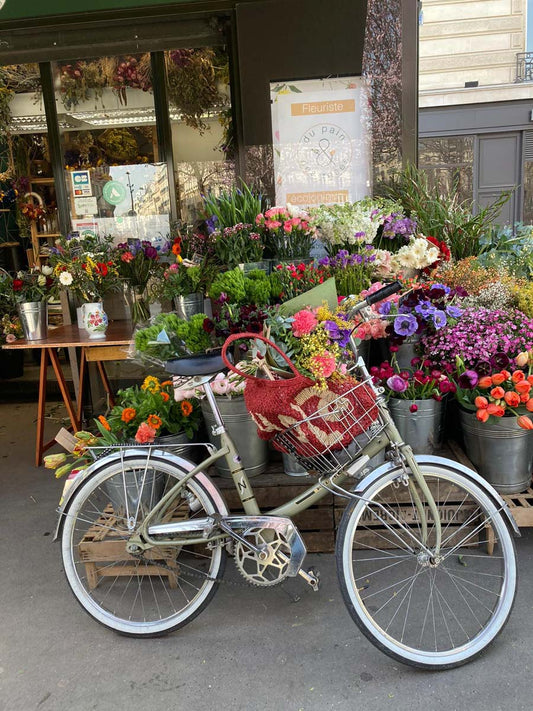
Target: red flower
17,284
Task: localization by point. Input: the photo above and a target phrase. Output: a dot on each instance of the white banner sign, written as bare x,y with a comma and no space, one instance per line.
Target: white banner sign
321,141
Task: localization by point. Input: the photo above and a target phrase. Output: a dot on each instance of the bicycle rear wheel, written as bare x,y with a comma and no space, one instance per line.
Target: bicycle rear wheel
433,612
138,598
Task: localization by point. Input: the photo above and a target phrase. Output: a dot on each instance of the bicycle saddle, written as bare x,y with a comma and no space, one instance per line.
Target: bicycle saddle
201,364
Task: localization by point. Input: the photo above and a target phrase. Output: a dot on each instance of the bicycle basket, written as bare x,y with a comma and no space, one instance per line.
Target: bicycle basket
335,432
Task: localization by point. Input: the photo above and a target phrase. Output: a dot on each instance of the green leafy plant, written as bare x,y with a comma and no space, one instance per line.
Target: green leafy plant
170,336
257,288
230,286
238,244
231,207
444,216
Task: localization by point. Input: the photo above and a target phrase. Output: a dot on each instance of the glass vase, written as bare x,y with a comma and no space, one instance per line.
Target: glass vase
138,304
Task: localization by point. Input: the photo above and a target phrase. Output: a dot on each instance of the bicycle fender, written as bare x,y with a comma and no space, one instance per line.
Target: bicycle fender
427,459
184,464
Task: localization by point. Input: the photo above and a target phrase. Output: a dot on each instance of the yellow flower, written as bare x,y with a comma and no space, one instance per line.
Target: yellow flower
151,383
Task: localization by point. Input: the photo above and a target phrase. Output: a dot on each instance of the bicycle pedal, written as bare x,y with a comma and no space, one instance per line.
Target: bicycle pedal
311,577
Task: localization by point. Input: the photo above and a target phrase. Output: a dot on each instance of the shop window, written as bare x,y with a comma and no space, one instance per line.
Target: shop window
28,203
448,163
114,179
203,140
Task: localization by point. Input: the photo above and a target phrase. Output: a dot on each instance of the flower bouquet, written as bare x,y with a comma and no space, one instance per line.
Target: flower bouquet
287,231
10,329
238,244
352,272
420,383
291,280
149,411
137,262
34,285
348,224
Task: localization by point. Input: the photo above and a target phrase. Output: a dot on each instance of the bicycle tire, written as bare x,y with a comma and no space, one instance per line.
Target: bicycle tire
120,592
463,580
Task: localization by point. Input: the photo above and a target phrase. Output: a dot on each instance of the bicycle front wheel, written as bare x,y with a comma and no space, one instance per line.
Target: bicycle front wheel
141,598
433,611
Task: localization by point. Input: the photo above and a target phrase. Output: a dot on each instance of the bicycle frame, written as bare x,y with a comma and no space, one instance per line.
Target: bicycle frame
312,495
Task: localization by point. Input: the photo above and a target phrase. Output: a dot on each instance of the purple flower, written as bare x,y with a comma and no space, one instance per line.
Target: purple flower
211,224
454,311
468,380
500,361
439,319
397,384
385,307
150,252
405,324
425,309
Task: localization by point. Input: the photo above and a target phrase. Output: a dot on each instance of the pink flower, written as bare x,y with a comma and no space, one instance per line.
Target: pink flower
182,394
10,338
127,257
145,434
304,322
323,366
174,267
295,221
220,385
259,218
287,226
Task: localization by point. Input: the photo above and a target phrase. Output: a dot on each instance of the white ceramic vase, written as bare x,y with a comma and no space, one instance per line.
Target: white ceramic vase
94,320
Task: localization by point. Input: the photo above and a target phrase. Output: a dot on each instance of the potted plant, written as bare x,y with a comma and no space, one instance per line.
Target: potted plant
31,290
495,401
137,262
416,401
231,207
287,232
239,244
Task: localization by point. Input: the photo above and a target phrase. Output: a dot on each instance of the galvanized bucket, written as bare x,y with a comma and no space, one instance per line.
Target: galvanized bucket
34,319
406,353
422,429
187,306
130,489
292,467
500,450
180,444
242,429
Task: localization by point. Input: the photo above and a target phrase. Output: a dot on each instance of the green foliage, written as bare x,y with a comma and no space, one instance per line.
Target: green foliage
444,216
230,283
182,337
233,206
509,249
257,287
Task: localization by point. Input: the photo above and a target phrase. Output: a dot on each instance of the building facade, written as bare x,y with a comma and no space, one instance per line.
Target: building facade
476,100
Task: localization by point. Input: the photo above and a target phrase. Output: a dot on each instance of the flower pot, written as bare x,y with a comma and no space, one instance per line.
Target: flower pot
187,306
500,450
79,315
34,319
180,444
94,320
292,467
125,491
243,431
406,352
423,429
11,364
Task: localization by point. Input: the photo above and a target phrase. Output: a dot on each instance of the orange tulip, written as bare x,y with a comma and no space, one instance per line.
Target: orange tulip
512,399
485,382
524,422
530,379
506,373
529,405
482,415
481,402
517,376
496,410
497,393
522,387
498,378
524,397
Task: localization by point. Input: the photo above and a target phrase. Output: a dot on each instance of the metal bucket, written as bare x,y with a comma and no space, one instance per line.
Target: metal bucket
125,489
180,444
500,450
422,429
292,467
406,353
187,306
34,319
243,431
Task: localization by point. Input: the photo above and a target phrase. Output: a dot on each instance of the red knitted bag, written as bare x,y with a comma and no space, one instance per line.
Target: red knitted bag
277,405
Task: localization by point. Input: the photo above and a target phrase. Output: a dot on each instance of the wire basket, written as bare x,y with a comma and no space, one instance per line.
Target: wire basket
329,439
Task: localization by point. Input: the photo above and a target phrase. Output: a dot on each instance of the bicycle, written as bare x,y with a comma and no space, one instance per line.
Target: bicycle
145,534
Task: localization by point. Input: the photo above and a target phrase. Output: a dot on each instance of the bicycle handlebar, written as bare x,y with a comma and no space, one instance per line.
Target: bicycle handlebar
377,296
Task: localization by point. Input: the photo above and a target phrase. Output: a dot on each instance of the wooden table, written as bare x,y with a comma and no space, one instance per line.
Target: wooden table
113,347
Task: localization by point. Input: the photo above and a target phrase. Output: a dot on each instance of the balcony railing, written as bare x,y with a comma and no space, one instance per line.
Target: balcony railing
524,66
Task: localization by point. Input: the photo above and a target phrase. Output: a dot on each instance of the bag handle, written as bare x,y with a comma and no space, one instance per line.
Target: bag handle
241,336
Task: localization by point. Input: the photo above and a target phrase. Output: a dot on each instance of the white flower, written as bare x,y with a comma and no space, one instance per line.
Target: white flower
65,278
46,270
41,280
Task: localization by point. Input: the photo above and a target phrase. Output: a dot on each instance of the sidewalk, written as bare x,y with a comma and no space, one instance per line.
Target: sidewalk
251,650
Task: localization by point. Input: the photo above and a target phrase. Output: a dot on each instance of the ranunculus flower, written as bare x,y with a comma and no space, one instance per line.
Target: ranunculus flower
482,415
323,365
512,399
11,338
481,402
485,382
524,422
145,434
397,384
220,384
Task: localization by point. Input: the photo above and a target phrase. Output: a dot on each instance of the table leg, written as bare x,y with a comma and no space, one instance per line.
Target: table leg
105,382
39,448
81,384
64,389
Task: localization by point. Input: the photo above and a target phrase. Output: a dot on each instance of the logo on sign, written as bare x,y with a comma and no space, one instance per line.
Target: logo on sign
326,149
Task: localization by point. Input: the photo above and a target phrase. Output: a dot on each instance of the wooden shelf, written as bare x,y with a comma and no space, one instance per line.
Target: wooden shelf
42,181
40,235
